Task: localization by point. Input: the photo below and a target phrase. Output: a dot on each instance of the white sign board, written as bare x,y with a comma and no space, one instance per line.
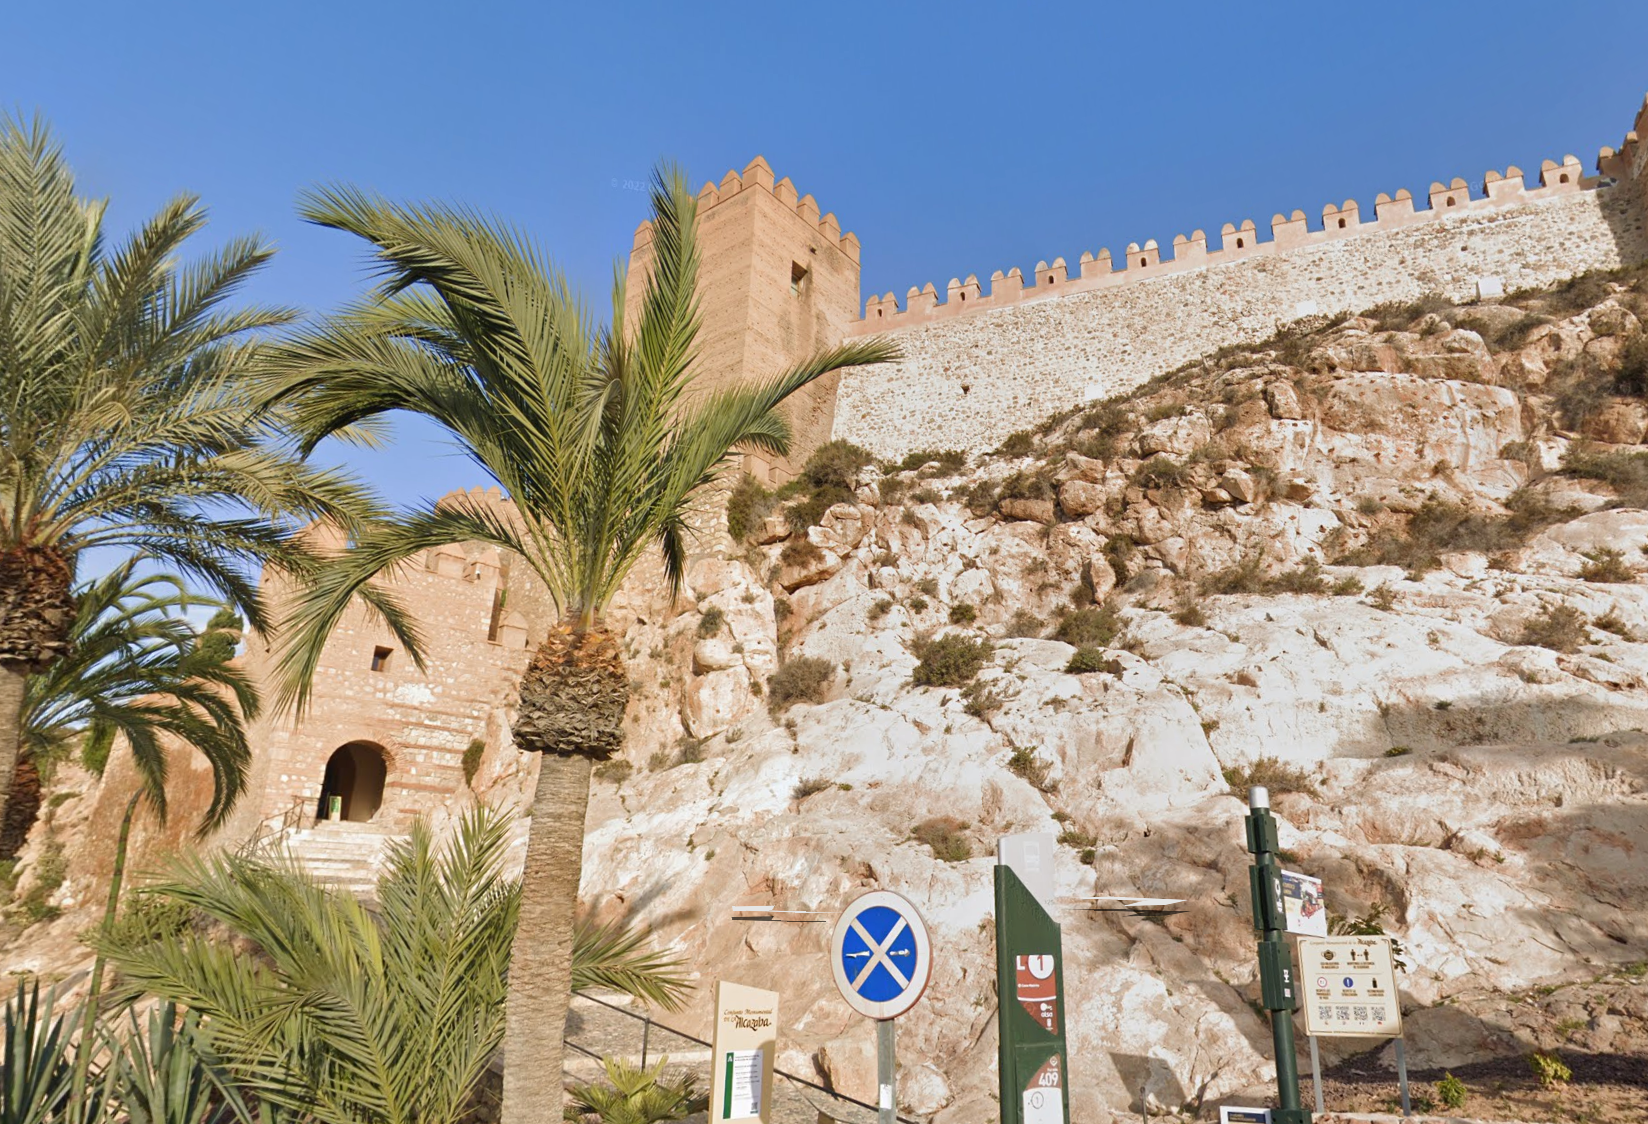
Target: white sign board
745,1046
1349,986
1236,1114
880,955
1307,913
1030,855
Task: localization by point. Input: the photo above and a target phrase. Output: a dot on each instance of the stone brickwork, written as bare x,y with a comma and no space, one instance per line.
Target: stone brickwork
974,372
480,620
778,283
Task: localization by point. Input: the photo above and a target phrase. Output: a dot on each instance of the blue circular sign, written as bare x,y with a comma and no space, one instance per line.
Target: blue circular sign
880,955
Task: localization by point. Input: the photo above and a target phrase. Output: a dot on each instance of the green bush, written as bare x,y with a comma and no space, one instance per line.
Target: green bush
1306,579
1032,485
916,604
948,460
802,679
1399,316
944,835
1095,627
963,613
1093,659
1631,377
1549,1069
1019,444
50,869
1399,751
981,699
1246,575
950,661
882,606
835,465
1032,766
710,623
473,752
1452,1092
1625,473
929,586
747,506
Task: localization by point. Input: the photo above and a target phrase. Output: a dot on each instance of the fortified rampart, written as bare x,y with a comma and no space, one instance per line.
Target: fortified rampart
979,365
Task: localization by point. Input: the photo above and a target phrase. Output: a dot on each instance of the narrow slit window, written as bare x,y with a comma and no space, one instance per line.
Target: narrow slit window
798,277
380,658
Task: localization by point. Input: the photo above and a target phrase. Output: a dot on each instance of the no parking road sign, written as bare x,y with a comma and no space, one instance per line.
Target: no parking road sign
881,955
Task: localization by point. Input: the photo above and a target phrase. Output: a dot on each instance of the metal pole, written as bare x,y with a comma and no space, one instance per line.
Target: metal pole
1402,1076
886,1110
646,1032
1276,976
1316,1071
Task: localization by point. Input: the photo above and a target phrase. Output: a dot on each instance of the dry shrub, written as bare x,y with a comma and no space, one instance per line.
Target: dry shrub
810,786
1024,623
803,679
1032,766
945,835
1275,774
800,551
1092,659
1606,565
747,506
1095,627
1560,628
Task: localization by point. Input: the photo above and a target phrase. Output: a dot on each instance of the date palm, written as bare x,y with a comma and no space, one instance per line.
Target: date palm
126,421
346,1014
598,438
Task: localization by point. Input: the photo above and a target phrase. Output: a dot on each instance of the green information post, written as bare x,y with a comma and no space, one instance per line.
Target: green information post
1034,1066
1278,986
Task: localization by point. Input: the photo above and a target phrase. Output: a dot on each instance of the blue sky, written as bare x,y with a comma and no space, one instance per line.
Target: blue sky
952,138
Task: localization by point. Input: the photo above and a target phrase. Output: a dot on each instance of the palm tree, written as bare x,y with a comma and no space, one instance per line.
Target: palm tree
125,417
137,670
598,439
356,1016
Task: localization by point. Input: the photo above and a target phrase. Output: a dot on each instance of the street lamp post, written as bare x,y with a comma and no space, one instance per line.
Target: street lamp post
1277,982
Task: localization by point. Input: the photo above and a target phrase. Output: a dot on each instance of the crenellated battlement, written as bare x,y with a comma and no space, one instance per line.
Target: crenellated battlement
758,176
1240,241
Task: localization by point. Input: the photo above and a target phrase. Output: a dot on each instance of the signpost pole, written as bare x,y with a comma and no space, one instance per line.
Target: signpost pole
886,1105
1316,1072
1402,1075
1276,979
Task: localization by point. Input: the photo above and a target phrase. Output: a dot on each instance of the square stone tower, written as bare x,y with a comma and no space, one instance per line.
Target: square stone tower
778,282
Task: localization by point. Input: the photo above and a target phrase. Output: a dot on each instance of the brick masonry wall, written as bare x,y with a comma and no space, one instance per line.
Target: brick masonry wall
970,380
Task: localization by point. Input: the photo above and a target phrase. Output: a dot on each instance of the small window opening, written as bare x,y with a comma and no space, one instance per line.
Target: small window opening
1240,243
1049,278
1143,262
798,276
1563,178
380,658
1341,224
964,296
878,314
1450,200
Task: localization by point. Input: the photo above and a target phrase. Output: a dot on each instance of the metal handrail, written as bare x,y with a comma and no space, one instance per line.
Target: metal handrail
647,1019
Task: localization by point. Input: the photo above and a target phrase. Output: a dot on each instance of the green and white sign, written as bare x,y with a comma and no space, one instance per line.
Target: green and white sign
1034,1066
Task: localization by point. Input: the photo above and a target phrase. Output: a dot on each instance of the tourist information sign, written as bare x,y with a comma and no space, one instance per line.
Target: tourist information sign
1349,986
1034,1066
881,959
746,1040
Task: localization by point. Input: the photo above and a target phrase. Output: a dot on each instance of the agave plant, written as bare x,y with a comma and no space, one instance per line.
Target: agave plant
37,1058
163,1073
352,1015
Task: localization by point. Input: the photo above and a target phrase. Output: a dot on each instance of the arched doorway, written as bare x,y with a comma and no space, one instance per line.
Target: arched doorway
355,775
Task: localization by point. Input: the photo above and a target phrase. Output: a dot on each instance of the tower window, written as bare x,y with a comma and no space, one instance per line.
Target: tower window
380,658
1341,224
798,276
1240,243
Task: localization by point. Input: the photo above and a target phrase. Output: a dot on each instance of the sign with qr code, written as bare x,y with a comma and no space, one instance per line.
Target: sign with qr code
1349,986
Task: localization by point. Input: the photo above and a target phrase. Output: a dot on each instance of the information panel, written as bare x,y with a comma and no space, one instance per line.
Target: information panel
746,1044
1349,986
1030,1011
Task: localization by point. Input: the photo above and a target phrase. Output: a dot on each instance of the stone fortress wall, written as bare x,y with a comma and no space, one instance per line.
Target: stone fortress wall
979,366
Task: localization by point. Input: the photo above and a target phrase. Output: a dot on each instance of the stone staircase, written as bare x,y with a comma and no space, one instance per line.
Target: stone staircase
341,854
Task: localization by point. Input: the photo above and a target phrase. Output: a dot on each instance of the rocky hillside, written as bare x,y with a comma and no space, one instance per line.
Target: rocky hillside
1389,565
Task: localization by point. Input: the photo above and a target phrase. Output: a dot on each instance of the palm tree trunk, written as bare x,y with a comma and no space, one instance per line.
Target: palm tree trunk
14,677
540,966
36,610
